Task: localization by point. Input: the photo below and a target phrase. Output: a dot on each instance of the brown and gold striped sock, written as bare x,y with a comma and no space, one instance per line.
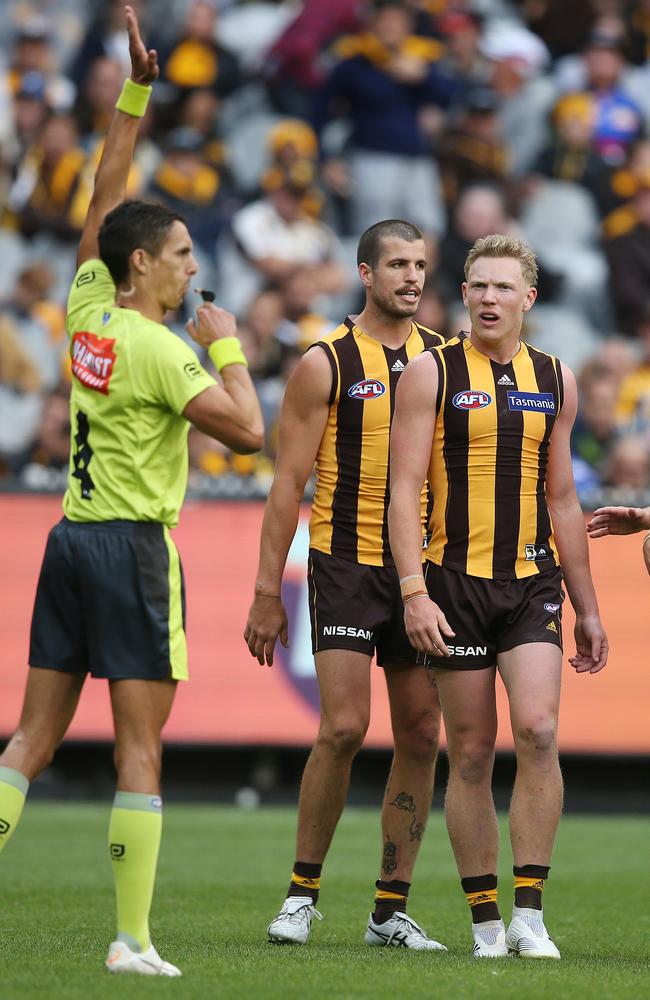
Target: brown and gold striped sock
481,894
390,897
305,880
529,885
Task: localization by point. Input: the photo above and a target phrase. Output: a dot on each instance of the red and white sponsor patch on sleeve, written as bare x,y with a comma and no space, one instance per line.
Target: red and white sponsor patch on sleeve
93,359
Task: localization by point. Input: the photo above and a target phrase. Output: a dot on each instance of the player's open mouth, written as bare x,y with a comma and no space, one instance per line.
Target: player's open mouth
489,318
409,294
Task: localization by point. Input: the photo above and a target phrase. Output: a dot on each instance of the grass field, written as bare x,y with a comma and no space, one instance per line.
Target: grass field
223,873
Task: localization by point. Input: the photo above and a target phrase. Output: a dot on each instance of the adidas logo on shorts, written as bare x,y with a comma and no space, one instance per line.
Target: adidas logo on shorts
505,380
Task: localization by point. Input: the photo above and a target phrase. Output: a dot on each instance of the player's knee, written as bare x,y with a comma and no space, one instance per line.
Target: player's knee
343,738
137,761
472,761
536,735
419,738
30,753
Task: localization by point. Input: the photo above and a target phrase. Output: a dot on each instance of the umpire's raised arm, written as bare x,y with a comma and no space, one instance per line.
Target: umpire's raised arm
117,155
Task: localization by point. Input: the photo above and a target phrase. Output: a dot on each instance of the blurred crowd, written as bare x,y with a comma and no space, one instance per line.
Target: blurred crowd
282,130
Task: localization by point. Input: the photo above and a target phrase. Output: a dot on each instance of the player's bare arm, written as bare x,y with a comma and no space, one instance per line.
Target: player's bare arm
622,521
618,521
302,425
568,528
230,413
117,155
410,453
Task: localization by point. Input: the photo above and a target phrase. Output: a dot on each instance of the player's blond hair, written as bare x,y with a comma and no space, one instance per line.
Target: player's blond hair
498,245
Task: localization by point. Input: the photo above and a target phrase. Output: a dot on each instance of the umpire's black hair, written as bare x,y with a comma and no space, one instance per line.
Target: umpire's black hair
369,249
133,225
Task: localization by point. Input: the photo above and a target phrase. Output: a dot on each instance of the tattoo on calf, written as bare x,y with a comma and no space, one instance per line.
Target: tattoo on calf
416,830
389,859
406,802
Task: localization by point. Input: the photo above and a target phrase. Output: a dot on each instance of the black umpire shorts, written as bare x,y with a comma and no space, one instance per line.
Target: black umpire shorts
493,616
357,607
110,602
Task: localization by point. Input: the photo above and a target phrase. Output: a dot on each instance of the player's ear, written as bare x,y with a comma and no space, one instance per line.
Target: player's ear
365,273
139,260
531,295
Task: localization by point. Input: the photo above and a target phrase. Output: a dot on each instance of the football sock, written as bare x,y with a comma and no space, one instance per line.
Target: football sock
305,880
390,897
134,838
529,885
13,789
481,894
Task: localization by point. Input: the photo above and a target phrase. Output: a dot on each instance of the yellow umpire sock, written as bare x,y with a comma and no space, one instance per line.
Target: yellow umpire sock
13,789
134,839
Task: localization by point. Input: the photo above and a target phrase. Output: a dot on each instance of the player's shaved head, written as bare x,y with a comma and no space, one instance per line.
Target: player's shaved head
371,245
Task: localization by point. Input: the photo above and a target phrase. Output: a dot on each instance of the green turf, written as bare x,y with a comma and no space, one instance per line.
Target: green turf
223,873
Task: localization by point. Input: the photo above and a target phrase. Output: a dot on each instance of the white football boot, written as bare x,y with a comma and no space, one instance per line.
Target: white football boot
293,922
146,963
489,939
527,936
400,931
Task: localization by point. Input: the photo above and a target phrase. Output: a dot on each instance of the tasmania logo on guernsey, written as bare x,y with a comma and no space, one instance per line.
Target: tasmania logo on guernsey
93,359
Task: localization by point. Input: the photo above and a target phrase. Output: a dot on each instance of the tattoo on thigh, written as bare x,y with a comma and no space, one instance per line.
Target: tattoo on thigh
406,802
389,859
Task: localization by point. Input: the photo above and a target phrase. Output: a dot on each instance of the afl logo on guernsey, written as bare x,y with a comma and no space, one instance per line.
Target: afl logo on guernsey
471,399
368,388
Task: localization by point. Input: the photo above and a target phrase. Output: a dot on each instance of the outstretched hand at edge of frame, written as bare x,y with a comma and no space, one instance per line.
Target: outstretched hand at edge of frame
144,63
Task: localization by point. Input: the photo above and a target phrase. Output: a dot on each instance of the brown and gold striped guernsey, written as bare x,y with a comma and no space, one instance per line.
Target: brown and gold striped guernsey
349,511
489,459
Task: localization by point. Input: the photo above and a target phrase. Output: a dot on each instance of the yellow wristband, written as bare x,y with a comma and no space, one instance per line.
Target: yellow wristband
226,351
134,98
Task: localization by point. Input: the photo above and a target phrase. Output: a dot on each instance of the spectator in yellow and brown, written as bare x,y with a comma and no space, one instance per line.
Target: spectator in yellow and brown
33,51
209,457
47,194
571,155
633,405
388,84
93,111
20,397
628,256
290,141
32,352
624,185
472,149
192,187
51,445
199,110
196,59
38,321
29,112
